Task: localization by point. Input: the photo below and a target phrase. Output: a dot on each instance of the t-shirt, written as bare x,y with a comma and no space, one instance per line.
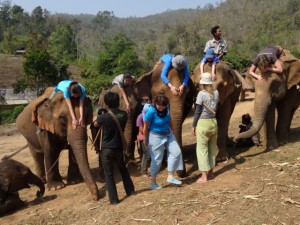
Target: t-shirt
219,47
120,81
205,97
215,59
273,52
167,60
111,135
157,124
63,87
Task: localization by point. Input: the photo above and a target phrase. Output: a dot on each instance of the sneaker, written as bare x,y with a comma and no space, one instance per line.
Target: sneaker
174,181
154,186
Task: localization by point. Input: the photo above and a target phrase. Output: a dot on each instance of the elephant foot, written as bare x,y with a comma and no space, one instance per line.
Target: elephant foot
222,158
55,185
11,203
181,173
74,181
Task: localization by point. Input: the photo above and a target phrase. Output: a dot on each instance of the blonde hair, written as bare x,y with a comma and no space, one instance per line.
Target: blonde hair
263,61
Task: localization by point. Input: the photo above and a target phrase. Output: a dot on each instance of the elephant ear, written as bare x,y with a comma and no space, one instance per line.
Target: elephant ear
89,110
42,110
143,85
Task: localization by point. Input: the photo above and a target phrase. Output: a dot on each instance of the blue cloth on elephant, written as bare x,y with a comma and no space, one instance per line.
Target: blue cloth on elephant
64,85
167,60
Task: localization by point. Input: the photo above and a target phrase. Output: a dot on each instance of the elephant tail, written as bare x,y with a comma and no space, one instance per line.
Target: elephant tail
16,152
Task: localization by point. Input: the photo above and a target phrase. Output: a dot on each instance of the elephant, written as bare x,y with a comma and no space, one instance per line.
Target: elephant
150,85
278,91
46,124
15,176
130,131
229,84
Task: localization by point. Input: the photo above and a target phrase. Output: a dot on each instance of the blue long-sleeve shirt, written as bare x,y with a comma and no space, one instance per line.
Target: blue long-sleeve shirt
167,60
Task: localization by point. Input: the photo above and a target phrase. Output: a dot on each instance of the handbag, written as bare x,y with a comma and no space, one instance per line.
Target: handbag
124,143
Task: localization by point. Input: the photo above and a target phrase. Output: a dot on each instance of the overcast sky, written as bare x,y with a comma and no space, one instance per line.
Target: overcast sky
121,8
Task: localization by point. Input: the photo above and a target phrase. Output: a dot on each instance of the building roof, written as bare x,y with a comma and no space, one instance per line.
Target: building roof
10,98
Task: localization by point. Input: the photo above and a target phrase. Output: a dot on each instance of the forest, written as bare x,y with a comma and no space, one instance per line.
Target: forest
105,45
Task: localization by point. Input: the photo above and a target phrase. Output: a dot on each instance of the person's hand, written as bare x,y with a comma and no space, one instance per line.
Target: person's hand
194,131
260,78
74,123
146,142
214,77
81,122
128,108
174,90
180,89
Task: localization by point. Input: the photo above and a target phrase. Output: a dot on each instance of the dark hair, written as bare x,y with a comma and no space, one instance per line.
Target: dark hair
264,60
112,100
127,75
74,88
161,99
214,29
246,118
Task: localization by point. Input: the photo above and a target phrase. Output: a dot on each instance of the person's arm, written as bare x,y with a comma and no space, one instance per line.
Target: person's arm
252,73
201,67
277,67
197,115
74,121
146,132
81,103
185,80
213,71
164,74
128,107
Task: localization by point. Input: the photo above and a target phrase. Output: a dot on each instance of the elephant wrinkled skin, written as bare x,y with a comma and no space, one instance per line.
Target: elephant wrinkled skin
278,91
15,176
47,126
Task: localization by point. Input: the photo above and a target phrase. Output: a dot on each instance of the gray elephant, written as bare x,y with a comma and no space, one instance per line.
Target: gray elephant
15,176
279,92
229,84
46,124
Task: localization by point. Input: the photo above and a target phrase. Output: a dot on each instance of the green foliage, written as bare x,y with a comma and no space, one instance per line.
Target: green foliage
237,60
118,56
10,116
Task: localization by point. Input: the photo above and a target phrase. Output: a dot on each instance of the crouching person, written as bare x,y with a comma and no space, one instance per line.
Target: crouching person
112,147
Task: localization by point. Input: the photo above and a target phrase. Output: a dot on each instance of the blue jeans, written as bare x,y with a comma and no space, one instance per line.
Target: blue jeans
157,145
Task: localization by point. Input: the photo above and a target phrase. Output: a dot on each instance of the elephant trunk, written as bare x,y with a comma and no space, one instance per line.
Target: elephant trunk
78,141
177,113
35,180
261,106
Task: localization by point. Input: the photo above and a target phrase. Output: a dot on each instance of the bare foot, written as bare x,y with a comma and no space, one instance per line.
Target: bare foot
201,180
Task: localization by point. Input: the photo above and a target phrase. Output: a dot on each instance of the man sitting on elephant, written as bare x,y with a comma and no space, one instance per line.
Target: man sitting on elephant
178,62
267,60
76,90
125,80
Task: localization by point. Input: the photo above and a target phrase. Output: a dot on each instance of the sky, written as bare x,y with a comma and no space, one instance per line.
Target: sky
121,8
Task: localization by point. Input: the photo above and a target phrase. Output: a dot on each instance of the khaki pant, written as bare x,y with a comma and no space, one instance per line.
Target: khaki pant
207,149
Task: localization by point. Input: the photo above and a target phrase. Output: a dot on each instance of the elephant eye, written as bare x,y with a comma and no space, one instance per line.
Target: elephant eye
62,119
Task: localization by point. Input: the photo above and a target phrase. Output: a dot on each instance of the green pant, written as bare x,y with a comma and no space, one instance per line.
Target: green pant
207,148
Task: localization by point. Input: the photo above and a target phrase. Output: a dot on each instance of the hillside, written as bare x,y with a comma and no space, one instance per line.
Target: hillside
10,69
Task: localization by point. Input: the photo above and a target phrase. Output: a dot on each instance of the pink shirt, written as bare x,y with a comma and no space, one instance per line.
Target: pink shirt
140,123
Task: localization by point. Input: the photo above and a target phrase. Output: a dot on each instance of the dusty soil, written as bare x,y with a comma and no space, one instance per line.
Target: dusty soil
253,187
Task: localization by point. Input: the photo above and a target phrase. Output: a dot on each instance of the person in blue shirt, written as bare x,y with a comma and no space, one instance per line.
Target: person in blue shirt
159,137
178,62
209,57
76,90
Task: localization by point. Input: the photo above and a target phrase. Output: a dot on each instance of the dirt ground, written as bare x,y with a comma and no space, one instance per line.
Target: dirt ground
253,187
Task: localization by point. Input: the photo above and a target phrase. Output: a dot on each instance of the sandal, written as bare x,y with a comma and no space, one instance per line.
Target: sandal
174,181
154,186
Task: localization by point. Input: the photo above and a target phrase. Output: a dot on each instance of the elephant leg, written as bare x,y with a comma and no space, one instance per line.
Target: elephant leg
54,180
38,158
74,175
271,139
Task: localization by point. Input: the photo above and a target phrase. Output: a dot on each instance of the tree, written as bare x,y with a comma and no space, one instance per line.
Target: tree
40,71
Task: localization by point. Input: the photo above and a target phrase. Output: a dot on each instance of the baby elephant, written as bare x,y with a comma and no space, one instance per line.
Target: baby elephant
15,176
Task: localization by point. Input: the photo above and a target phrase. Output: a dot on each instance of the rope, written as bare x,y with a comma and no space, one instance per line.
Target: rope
16,152
93,144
